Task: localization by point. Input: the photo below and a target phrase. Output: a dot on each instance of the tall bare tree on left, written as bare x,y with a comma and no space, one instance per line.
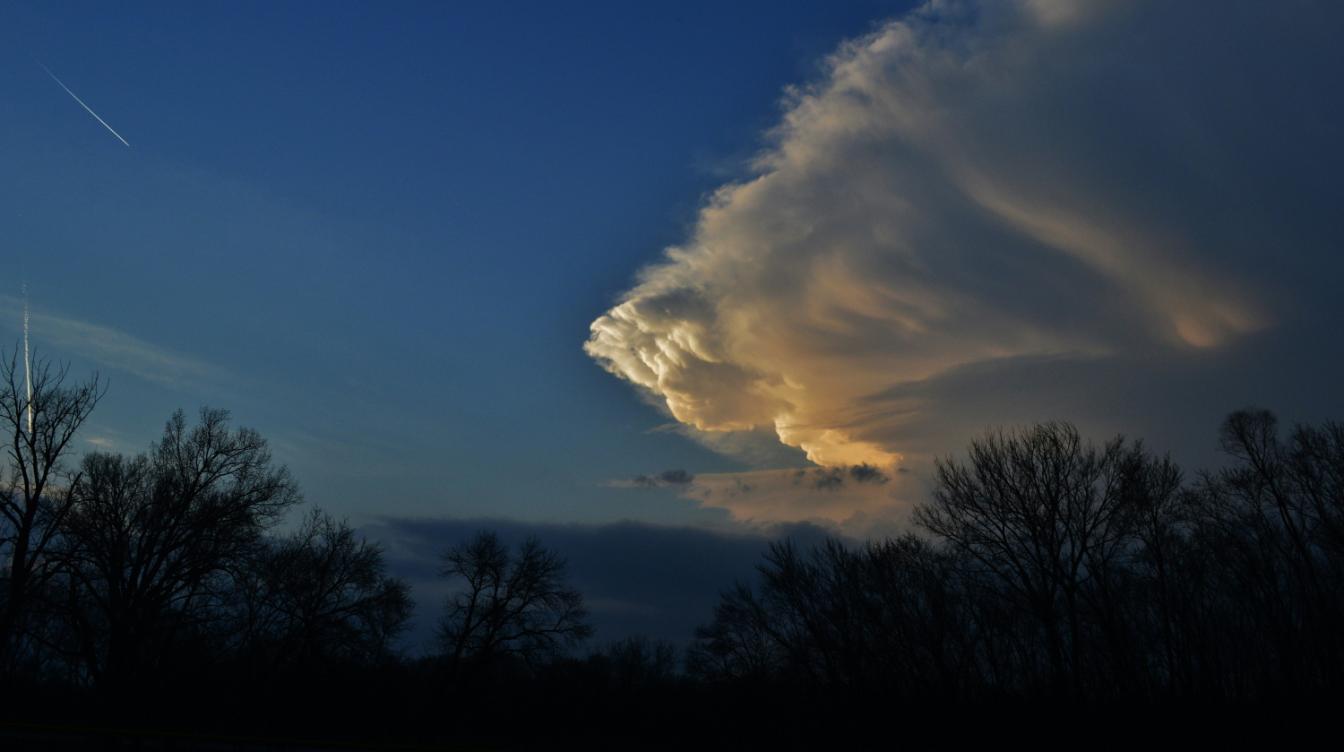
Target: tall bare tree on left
41,410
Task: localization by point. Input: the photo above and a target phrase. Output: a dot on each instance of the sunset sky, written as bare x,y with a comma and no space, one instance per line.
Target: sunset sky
662,280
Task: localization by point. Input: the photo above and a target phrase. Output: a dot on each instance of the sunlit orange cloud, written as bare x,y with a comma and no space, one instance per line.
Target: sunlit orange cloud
976,183
831,497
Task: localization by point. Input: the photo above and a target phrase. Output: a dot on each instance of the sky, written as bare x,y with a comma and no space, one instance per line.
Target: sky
693,273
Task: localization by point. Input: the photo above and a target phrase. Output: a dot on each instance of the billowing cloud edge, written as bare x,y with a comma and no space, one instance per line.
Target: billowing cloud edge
975,183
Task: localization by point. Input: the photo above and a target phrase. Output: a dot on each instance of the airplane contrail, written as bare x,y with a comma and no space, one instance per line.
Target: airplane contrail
85,106
27,362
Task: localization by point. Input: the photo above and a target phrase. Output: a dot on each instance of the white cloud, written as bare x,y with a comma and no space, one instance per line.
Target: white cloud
1101,191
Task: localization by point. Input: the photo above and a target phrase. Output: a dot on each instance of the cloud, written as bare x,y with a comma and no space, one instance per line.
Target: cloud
675,477
113,348
847,499
759,448
1040,209
836,477
858,500
672,478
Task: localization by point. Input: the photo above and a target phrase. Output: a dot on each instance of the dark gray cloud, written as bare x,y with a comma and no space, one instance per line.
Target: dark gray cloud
665,478
675,477
834,478
636,578
867,474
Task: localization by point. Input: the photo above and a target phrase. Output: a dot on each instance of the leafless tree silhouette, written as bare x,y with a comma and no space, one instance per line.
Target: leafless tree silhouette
40,414
512,603
1056,566
320,594
1276,517
155,540
1047,516
638,662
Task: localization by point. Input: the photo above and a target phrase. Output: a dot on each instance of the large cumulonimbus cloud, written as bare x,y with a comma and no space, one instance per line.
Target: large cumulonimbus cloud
1015,206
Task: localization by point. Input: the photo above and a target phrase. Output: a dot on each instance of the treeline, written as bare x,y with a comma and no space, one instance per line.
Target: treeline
160,589
1047,567
135,586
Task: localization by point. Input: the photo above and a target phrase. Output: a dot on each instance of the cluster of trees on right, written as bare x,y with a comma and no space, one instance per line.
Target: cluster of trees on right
1049,566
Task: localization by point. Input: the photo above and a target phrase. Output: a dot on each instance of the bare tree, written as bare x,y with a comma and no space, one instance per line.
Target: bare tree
639,662
1279,512
40,415
739,643
1045,514
880,618
1298,485
512,603
155,540
322,593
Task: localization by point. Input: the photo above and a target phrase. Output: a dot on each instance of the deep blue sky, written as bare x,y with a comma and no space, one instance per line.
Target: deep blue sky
378,232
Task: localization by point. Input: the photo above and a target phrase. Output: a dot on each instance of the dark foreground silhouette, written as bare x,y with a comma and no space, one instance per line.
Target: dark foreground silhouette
148,603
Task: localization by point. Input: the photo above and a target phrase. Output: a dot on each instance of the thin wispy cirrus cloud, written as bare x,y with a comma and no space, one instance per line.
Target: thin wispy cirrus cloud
985,213
112,348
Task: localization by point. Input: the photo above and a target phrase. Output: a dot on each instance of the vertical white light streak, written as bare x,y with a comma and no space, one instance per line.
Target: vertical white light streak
27,362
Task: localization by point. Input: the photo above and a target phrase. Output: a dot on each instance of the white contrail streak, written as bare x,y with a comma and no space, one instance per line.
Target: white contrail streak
85,106
27,362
